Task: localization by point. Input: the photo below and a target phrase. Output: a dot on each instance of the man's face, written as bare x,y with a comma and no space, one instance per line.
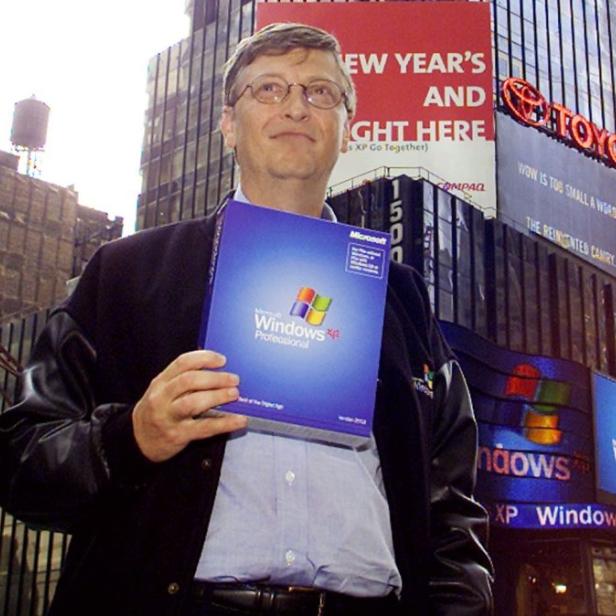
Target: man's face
291,139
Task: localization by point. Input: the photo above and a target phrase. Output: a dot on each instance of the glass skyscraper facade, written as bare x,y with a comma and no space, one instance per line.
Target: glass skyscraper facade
185,167
563,47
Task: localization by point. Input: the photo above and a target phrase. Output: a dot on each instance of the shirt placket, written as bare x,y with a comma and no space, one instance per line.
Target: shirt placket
291,511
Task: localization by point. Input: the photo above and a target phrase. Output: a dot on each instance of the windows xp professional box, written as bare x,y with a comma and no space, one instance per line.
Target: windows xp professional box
296,305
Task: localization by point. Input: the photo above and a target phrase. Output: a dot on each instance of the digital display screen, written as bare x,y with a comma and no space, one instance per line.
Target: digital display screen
604,395
533,414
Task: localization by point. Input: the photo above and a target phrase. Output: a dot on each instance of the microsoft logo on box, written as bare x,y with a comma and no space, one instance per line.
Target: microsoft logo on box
310,306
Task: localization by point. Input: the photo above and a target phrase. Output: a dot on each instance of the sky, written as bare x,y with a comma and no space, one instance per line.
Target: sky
88,61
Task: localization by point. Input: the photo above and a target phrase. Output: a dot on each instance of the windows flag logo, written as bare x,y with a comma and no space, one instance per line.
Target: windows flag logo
310,306
542,396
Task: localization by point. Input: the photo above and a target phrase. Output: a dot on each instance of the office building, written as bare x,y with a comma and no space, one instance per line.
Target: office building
45,239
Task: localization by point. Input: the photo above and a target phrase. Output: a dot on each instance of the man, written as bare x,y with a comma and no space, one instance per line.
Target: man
174,514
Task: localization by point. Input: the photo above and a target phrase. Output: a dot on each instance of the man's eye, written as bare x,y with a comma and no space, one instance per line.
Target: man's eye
322,90
270,87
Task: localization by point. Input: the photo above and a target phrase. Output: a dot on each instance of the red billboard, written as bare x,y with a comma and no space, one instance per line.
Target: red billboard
423,74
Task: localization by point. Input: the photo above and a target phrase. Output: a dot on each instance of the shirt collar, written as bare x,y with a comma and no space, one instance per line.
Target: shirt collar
326,213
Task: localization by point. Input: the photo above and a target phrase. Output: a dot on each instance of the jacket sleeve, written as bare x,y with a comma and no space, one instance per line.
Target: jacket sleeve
457,569
461,577
61,452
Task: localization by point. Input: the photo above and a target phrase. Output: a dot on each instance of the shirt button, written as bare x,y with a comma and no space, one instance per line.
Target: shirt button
289,557
206,464
173,588
290,477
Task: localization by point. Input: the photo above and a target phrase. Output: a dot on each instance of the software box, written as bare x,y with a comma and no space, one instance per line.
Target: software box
296,305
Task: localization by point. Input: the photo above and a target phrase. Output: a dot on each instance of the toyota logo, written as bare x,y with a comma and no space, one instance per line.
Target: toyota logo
525,102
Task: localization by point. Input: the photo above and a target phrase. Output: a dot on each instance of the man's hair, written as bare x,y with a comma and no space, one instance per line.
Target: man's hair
278,39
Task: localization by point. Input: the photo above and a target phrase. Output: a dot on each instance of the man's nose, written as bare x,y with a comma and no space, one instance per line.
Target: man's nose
295,105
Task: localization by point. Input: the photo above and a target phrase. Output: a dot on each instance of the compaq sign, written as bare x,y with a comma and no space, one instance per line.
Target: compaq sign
527,104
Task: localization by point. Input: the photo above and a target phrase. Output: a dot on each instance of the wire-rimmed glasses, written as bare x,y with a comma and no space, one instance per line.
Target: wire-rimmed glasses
273,89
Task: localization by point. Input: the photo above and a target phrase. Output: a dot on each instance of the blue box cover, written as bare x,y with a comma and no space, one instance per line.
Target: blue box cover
296,305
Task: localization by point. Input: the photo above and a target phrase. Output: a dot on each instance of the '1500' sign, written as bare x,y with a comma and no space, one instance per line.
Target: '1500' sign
527,104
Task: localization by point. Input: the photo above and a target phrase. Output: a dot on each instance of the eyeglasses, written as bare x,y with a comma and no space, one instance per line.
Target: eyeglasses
271,89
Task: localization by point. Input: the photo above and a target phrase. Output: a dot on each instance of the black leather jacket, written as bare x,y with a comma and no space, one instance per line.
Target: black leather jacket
71,463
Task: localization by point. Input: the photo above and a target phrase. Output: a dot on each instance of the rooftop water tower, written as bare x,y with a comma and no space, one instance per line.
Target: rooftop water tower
29,131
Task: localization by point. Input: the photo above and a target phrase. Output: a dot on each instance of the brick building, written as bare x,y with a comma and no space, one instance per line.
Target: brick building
45,238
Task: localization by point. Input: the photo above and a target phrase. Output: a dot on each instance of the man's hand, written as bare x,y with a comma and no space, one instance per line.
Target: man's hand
165,419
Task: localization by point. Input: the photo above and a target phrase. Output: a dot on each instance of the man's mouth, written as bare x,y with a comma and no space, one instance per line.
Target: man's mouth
293,135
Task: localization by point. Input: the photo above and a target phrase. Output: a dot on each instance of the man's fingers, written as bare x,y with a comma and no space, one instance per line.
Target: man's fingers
205,427
193,360
189,386
199,380
192,404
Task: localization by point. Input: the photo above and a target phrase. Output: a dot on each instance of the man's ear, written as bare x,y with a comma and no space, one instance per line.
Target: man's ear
227,126
346,136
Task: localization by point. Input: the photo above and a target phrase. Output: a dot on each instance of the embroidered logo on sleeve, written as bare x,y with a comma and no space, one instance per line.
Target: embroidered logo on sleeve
425,385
